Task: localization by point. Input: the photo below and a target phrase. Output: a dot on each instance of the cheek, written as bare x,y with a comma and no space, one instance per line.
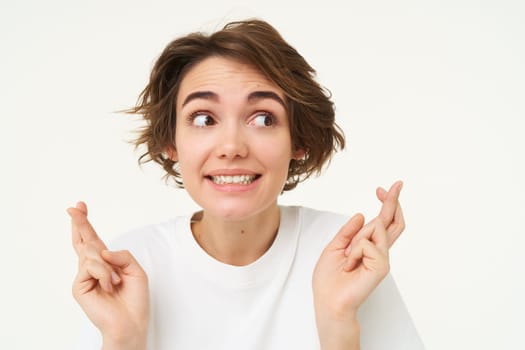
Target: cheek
281,150
278,158
190,153
188,144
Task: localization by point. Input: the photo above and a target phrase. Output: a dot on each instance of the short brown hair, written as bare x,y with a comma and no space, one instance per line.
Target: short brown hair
310,111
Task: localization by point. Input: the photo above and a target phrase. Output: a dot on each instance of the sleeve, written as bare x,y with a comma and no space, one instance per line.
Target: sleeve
385,321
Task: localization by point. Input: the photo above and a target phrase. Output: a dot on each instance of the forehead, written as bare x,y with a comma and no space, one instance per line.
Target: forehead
224,75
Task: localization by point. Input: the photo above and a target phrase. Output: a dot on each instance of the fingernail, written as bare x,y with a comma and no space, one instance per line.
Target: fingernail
115,278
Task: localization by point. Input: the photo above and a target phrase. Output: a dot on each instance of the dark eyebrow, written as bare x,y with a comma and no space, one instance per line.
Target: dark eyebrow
259,95
254,96
207,95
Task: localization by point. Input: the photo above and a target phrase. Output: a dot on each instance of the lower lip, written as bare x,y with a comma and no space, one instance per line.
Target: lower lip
236,188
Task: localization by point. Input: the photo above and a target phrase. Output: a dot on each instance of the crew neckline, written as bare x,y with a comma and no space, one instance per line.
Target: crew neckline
275,261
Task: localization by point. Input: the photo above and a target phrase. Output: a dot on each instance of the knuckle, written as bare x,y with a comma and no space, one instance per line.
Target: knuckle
377,223
74,291
91,251
75,288
360,243
96,268
90,266
384,268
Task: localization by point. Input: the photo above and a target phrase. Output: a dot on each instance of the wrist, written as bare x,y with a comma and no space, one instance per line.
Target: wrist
136,342
337,330
338,335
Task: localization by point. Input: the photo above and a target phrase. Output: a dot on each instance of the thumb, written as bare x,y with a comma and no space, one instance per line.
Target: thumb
343,238
124,260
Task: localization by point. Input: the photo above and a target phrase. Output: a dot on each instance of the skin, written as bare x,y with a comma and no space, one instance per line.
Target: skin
351,267
238,225
111,287
222,129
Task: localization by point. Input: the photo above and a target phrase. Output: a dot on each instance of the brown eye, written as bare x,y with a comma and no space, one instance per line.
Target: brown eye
202,120
262,120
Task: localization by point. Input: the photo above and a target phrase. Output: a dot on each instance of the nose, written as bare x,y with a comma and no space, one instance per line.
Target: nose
231,142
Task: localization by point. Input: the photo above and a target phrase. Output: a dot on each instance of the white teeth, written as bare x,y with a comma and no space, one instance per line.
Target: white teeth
235,179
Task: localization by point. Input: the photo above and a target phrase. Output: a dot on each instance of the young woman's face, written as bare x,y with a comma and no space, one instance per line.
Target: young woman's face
232,139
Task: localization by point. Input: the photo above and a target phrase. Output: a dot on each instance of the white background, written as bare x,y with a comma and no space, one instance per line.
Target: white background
428,92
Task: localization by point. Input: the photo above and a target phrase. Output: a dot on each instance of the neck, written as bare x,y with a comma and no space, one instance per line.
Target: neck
240,242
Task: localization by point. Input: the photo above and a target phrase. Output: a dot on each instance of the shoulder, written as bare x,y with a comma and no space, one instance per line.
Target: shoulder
315,220
310,216
317,224
152,241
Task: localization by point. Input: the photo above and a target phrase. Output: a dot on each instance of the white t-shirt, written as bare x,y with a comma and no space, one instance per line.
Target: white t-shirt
200,303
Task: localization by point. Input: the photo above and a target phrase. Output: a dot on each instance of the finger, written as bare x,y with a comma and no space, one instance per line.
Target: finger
343,238
379,236
364,233
82,207
83,284
357,254
124,260
76,238
90,252
373,231
390,203
381,194
370,255
92,270
82,230
398,226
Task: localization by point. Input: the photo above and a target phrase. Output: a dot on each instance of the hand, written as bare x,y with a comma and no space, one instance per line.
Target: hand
111,287
391,215
351,266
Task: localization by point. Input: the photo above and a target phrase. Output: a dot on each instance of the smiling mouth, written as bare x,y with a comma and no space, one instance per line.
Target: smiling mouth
233,179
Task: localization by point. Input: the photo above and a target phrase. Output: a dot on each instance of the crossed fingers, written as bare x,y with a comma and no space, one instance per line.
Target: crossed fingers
372,243
81,229
379,234
390,217
391,213
90,250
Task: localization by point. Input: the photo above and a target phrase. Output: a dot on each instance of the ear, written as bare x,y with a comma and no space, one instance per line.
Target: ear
172,153
298,154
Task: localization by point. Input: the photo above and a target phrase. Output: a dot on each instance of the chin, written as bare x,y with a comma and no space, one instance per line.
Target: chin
237,213
231,211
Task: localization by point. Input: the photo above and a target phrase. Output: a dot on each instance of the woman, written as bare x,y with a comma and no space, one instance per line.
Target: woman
237,118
